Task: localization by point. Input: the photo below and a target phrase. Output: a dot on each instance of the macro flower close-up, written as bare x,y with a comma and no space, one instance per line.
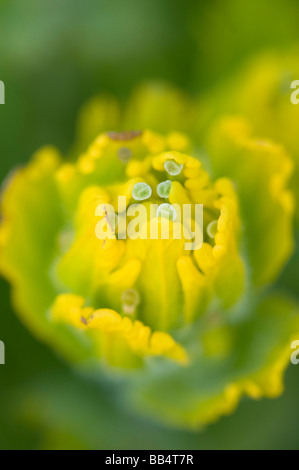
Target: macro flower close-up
148,245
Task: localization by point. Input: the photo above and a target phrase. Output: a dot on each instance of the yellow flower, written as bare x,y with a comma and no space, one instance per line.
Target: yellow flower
174,284
89,278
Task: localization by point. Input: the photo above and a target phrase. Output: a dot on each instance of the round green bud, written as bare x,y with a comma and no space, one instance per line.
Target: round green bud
212,228
163,189
167,210
173,168
130,300
124,154
141,191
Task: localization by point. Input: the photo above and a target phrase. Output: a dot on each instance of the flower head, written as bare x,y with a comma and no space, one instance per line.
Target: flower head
97,282
90,279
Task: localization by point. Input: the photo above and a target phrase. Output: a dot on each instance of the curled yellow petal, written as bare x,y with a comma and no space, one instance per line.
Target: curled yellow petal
107,324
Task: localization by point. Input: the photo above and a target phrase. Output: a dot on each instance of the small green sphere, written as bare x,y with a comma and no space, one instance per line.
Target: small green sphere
167,210
163,189
173,168
141,191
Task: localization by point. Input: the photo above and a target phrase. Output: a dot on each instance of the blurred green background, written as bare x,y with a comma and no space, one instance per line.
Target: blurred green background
54,55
